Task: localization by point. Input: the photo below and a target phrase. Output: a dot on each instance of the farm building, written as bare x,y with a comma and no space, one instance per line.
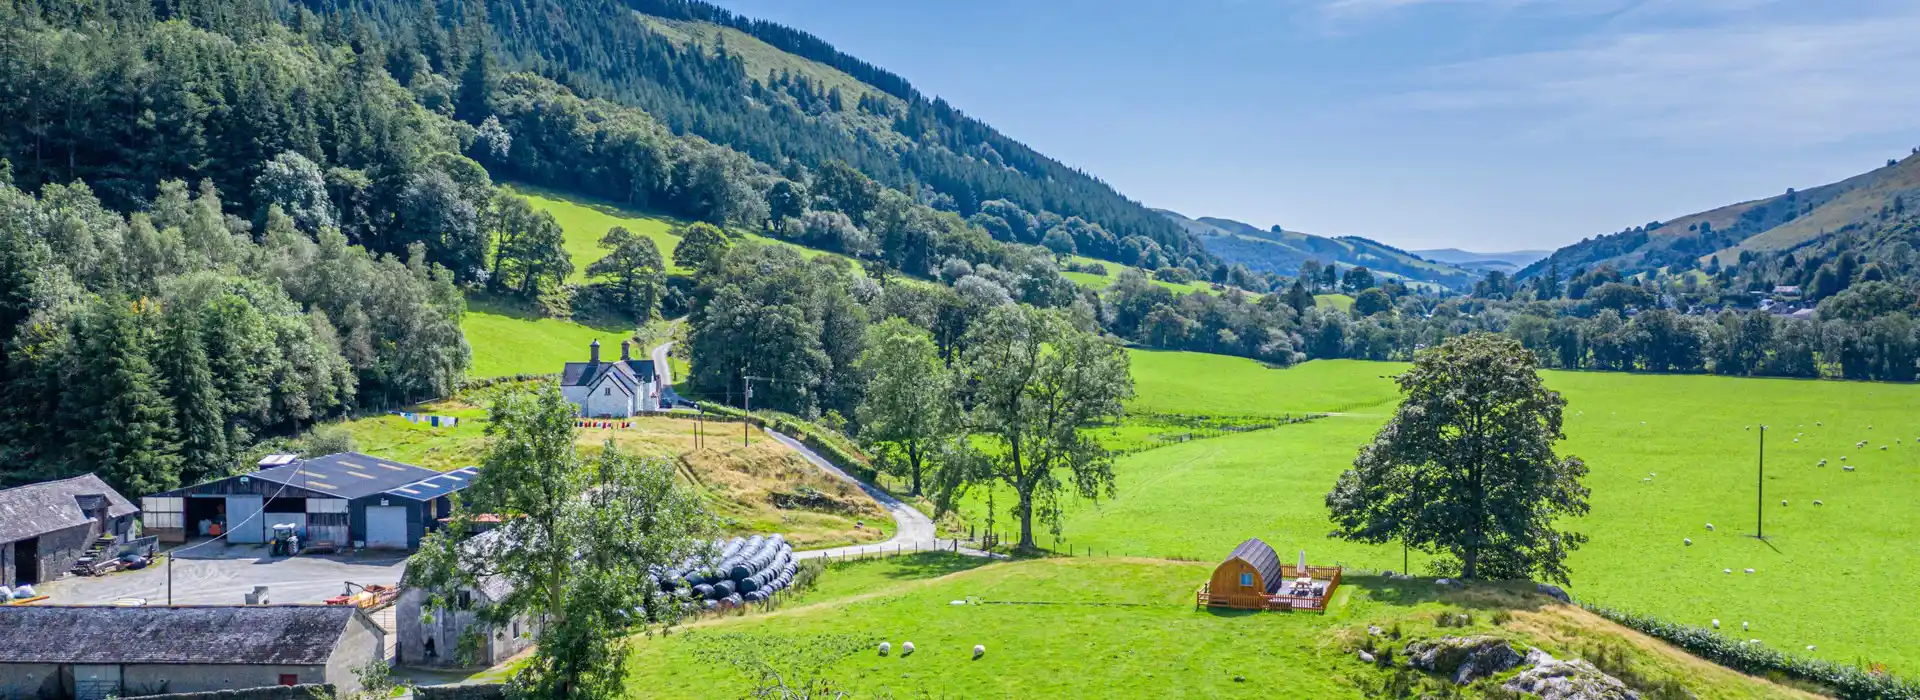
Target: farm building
611,389
346,499
92,652
436,640
46,528
1253,578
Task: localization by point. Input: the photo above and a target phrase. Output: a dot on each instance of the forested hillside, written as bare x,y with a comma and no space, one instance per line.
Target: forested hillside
893,134
1282,252
1780,223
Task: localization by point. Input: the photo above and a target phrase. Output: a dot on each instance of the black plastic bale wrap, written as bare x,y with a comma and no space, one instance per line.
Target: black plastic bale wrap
735,600
709,604
725,588
703,591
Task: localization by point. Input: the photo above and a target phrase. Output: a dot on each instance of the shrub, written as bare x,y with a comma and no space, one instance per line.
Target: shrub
1756,659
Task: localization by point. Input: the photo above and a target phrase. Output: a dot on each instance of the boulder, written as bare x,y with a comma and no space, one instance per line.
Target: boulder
1465,659
1555,592
1567,680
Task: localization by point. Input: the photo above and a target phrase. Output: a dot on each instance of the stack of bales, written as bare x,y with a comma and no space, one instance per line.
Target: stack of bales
745,570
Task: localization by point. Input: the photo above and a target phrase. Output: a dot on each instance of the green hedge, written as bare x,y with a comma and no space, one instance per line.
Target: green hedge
1847,681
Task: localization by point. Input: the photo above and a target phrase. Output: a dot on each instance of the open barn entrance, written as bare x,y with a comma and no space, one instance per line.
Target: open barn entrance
26,561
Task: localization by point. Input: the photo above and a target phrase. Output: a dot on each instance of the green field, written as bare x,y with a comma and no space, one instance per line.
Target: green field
509,340
1839,575
1334,301
585,221
1093,281
1089,627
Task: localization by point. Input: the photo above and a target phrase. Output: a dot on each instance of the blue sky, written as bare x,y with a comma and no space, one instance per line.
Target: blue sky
1480,124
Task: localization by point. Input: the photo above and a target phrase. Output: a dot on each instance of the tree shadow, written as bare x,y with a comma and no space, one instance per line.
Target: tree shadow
926,565
1479,595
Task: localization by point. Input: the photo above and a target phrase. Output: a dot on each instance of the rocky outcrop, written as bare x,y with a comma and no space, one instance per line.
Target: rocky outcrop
1575,679
1465,659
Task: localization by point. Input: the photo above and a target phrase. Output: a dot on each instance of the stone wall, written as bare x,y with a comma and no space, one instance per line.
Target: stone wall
305,691
481,691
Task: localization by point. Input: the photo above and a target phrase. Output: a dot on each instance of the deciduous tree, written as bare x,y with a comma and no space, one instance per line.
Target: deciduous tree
908,409
1466,467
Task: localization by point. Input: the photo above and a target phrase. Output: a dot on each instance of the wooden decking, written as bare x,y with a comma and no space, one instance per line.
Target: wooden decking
1326,580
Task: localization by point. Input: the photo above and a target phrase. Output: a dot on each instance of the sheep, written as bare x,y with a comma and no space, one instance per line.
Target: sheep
1749,571
1848,467
1646,480
1709,527
1743,623
1688,541
1883,448
1818,423
1796,439
1861,444
1817,502
885,647
1783,501
1652,474
1823,462
1727,570
1716,623
979,650
1843,458
1809,647
906,648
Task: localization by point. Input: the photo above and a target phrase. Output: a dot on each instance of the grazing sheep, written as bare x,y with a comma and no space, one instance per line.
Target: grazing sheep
1861,444
1709,527
1817,502
1727,570
1818,423
1848,467
1843,458
1809,647
1743,623
1823,462
1652,474
906,648
1749,571
1883,448
1649,480
1796,439
1687,541
1783,501
979,650
885,647
1716,623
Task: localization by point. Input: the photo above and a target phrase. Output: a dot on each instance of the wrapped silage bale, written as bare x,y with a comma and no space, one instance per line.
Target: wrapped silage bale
723,589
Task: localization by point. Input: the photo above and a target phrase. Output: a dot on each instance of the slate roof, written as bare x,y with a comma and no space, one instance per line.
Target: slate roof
37,509
586,373
1261,557
246,635
346,474
437,485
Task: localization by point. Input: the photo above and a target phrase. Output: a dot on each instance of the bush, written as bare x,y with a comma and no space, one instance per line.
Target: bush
1756,659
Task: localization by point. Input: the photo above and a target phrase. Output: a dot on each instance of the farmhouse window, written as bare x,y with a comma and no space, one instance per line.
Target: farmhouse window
607,391
1246,579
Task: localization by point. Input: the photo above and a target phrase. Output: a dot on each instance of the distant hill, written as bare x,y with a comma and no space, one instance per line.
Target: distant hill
1282,252
1780,222
1508,262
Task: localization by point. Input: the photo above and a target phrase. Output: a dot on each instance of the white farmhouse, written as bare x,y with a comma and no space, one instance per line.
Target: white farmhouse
611,389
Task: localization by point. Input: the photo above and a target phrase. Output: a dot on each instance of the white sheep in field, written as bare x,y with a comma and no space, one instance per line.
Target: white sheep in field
1823,462
1709,527
979,650
1817,502
1848,467
1688,541
1883,448
1748,571
1727,570
1783,501
1818,423
885,647
1743,623
1809,647
906,648
1716,623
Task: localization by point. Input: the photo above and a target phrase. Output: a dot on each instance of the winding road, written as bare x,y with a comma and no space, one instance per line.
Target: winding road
913,530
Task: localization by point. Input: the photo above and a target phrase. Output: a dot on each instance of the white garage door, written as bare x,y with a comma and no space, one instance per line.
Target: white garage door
387,527
243,519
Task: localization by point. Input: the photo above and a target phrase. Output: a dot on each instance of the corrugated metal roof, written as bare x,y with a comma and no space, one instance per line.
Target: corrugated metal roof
346,475
437,485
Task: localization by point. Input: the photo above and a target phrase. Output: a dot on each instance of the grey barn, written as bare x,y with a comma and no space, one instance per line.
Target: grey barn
45,528
432,635
93,652
345,500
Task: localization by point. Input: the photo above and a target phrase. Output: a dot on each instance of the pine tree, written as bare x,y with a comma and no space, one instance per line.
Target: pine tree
182,363
118,420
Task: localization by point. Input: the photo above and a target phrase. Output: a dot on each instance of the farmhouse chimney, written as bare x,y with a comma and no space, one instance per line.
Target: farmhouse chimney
594,357
626,350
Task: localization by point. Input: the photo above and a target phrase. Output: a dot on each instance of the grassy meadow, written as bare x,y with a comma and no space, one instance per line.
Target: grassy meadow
1104,627
508,339
1667,454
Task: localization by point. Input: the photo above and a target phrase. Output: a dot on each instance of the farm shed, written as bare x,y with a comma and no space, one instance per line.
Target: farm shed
91,652
435,639
45,528
345,499
1252,578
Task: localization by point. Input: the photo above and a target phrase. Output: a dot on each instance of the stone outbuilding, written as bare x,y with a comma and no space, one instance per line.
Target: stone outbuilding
430,635
46,527
95,652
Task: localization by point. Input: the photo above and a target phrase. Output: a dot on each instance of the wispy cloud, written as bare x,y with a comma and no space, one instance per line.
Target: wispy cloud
1798,82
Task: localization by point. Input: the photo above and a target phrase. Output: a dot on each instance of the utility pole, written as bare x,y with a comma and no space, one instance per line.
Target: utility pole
1760,506
747,404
